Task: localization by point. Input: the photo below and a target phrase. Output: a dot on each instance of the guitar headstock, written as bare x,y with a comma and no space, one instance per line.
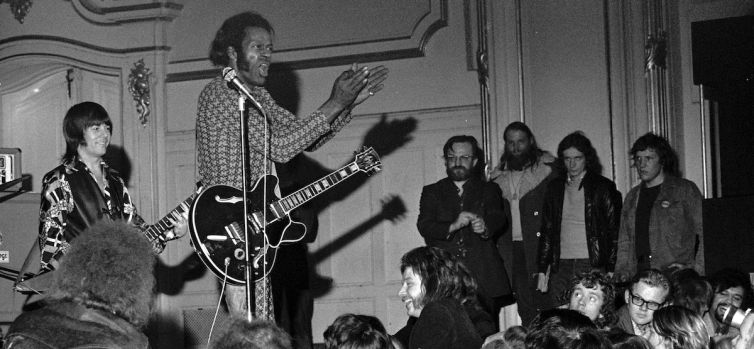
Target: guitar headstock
368,161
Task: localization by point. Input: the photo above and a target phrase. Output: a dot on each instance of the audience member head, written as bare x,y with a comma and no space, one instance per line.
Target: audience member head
731,287
676,327
663,158
690,290
430,274
463,157
622,340
648,291
557,328
241,334
578,149
593,294
77,120
110,267
351,331
521,150
512,338
232,33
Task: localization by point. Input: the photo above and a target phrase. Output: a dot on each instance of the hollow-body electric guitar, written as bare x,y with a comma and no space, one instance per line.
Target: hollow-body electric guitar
217,228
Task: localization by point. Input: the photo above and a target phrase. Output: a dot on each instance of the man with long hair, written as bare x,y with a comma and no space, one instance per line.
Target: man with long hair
730,288
440,293
523,175
580,217
463,215
661,221
677,327
101,295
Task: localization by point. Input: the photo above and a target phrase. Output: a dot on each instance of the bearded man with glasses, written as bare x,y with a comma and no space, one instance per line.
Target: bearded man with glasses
647,292
463,215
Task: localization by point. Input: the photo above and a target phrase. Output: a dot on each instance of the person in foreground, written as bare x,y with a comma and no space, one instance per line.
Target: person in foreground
564,328
593,294
731,288
677,327
257,334
356,331
101,296
441,294
647,292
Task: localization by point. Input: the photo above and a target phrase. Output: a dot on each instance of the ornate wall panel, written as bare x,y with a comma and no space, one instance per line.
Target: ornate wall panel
308,36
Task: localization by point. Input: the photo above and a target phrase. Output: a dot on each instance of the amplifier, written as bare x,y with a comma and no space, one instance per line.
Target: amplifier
10,164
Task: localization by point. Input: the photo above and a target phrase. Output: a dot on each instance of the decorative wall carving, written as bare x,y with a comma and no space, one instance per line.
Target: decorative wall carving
19,8
138,85
114,11
312,36
656,75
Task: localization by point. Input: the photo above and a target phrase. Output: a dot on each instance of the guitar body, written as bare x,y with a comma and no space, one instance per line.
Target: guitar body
217,230
216,221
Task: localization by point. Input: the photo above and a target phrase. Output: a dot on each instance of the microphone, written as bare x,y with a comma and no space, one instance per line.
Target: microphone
230,76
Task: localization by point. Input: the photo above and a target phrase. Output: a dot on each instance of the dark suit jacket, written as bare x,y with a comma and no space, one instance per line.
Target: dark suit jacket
439,207
624,320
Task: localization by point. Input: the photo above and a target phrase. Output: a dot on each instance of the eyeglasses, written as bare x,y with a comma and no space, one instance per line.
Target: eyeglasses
638,301
463,158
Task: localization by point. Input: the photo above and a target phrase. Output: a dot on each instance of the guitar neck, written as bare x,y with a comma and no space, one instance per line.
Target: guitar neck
158,230
313,190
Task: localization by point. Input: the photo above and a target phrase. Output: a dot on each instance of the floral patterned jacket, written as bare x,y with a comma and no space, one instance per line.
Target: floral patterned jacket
72,201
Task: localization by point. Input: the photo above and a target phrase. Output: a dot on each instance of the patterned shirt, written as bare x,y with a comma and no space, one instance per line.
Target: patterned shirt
219,155
72,201
218,134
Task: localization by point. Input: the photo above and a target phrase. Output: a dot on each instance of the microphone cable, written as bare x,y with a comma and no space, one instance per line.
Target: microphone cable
219,301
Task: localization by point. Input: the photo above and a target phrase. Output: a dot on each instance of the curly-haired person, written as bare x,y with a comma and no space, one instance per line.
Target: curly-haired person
101,295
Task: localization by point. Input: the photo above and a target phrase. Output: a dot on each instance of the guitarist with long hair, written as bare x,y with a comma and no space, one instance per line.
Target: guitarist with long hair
244,43
84,189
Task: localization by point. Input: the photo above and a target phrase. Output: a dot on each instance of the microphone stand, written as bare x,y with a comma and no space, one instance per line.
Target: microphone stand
229,75
244,190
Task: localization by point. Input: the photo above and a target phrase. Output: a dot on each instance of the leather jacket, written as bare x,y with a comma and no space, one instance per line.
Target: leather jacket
72,325
602,203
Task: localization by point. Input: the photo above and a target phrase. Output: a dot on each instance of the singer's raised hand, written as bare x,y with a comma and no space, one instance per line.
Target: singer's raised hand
344,91
377,76
348,85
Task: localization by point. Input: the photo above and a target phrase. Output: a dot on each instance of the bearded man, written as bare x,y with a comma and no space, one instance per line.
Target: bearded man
522,176
464,215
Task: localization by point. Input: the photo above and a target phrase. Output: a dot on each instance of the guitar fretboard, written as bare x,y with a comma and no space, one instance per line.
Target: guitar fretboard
310,191
158,230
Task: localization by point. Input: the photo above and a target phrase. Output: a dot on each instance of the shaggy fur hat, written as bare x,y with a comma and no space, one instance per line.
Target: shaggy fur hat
109,267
